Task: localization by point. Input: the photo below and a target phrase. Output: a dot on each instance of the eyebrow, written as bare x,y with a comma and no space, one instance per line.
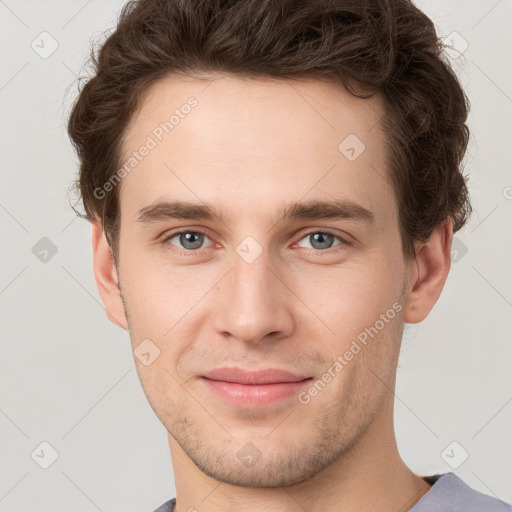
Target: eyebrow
309,210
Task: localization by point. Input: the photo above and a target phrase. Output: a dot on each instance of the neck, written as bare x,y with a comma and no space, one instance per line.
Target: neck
370,476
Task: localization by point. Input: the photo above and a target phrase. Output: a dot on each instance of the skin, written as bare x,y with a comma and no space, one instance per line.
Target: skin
250,146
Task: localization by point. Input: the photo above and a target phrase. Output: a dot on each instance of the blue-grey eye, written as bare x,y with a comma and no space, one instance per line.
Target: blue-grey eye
190,240
320,240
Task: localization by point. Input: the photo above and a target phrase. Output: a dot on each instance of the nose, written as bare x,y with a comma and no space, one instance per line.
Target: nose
253,303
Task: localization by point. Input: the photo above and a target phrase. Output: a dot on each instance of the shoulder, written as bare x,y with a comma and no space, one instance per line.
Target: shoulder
450,494
168,506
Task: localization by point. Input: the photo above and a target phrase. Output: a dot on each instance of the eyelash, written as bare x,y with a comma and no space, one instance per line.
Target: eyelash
343,241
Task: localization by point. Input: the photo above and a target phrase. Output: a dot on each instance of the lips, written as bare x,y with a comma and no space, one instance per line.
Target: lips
254,389
253,378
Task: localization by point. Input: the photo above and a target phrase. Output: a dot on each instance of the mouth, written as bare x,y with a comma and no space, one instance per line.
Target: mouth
253,388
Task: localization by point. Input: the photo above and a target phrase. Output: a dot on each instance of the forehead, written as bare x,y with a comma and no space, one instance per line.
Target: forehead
248,142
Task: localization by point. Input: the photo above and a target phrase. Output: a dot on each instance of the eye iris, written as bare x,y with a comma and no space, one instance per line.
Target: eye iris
321,237
188,238
193,240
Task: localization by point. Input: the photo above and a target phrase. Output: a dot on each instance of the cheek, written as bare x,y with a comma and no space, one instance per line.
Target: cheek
341,298
162,391
160,295
350,298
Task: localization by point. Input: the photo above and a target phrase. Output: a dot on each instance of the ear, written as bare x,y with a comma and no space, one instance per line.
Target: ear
105,273
428,273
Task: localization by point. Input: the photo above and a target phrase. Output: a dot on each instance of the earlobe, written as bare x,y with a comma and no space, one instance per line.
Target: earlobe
106,276
429,272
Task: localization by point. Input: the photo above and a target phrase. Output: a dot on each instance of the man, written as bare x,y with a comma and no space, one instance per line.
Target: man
273,188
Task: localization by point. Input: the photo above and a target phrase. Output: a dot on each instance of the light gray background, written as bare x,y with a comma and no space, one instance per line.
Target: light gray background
67,374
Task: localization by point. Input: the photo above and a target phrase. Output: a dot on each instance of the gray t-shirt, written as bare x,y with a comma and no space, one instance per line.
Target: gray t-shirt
447,494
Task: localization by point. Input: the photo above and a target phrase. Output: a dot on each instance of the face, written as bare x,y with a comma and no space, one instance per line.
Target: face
248,287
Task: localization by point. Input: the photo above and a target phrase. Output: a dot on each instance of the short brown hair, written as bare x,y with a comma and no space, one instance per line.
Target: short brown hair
384,47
